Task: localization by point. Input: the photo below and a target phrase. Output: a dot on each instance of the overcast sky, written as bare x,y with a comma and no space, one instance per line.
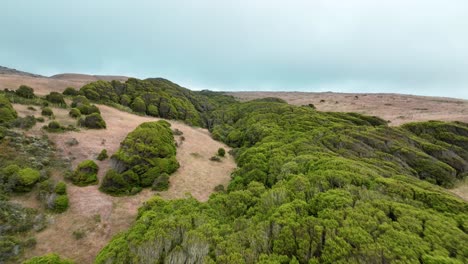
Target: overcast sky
403,46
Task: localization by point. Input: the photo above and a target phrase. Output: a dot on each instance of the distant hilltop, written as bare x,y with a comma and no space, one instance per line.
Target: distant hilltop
6,70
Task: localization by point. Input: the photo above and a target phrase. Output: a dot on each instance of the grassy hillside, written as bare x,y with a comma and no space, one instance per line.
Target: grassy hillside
315,187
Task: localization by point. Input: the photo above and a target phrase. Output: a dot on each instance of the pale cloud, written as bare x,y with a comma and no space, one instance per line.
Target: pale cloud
418,47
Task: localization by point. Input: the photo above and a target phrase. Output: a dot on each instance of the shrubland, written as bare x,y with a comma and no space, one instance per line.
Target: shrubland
157,97
315,187
25,163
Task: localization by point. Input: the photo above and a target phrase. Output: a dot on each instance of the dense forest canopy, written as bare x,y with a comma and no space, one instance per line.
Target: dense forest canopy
158,97
315,187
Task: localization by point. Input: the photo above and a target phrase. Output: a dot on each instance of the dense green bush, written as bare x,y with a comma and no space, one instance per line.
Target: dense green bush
146,154
61,203
79,100
102,155
56,98
70,91
75,113
94,121
48,259
7,112
25,91
61,188
54,125
85,174
26,179
46,111
139,106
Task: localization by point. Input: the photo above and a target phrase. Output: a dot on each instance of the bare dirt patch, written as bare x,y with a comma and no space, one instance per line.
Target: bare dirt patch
95,217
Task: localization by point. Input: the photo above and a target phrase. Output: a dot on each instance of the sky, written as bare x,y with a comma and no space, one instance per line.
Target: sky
395,46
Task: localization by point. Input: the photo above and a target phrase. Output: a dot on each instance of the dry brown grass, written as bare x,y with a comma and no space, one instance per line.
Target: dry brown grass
397,108
197,176
58,83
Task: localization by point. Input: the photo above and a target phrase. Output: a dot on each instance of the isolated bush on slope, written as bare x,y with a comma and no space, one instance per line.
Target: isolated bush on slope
94,121
25,91
144,155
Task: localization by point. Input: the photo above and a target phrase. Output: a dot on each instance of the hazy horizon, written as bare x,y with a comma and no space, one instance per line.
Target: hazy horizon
411,47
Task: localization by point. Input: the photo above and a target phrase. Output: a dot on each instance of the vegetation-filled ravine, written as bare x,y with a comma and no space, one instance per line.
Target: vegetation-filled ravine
315,187
310,187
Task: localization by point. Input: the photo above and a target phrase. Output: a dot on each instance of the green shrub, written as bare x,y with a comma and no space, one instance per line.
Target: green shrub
79,100
138,105
46,111
27,177
120,183
94,121
61,188
55,98
61,203
70,91
40,119
25,92
7,112
221,152
87,109
102,155
54,125
85,174
48,259
75,113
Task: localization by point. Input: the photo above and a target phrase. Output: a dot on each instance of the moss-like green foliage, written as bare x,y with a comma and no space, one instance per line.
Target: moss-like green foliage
61,203
27,177
75,113
94,121
56,98
102,155
85,174
46,111
146,153
25,92
314,187
7,113
70,91
61,188
48,259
